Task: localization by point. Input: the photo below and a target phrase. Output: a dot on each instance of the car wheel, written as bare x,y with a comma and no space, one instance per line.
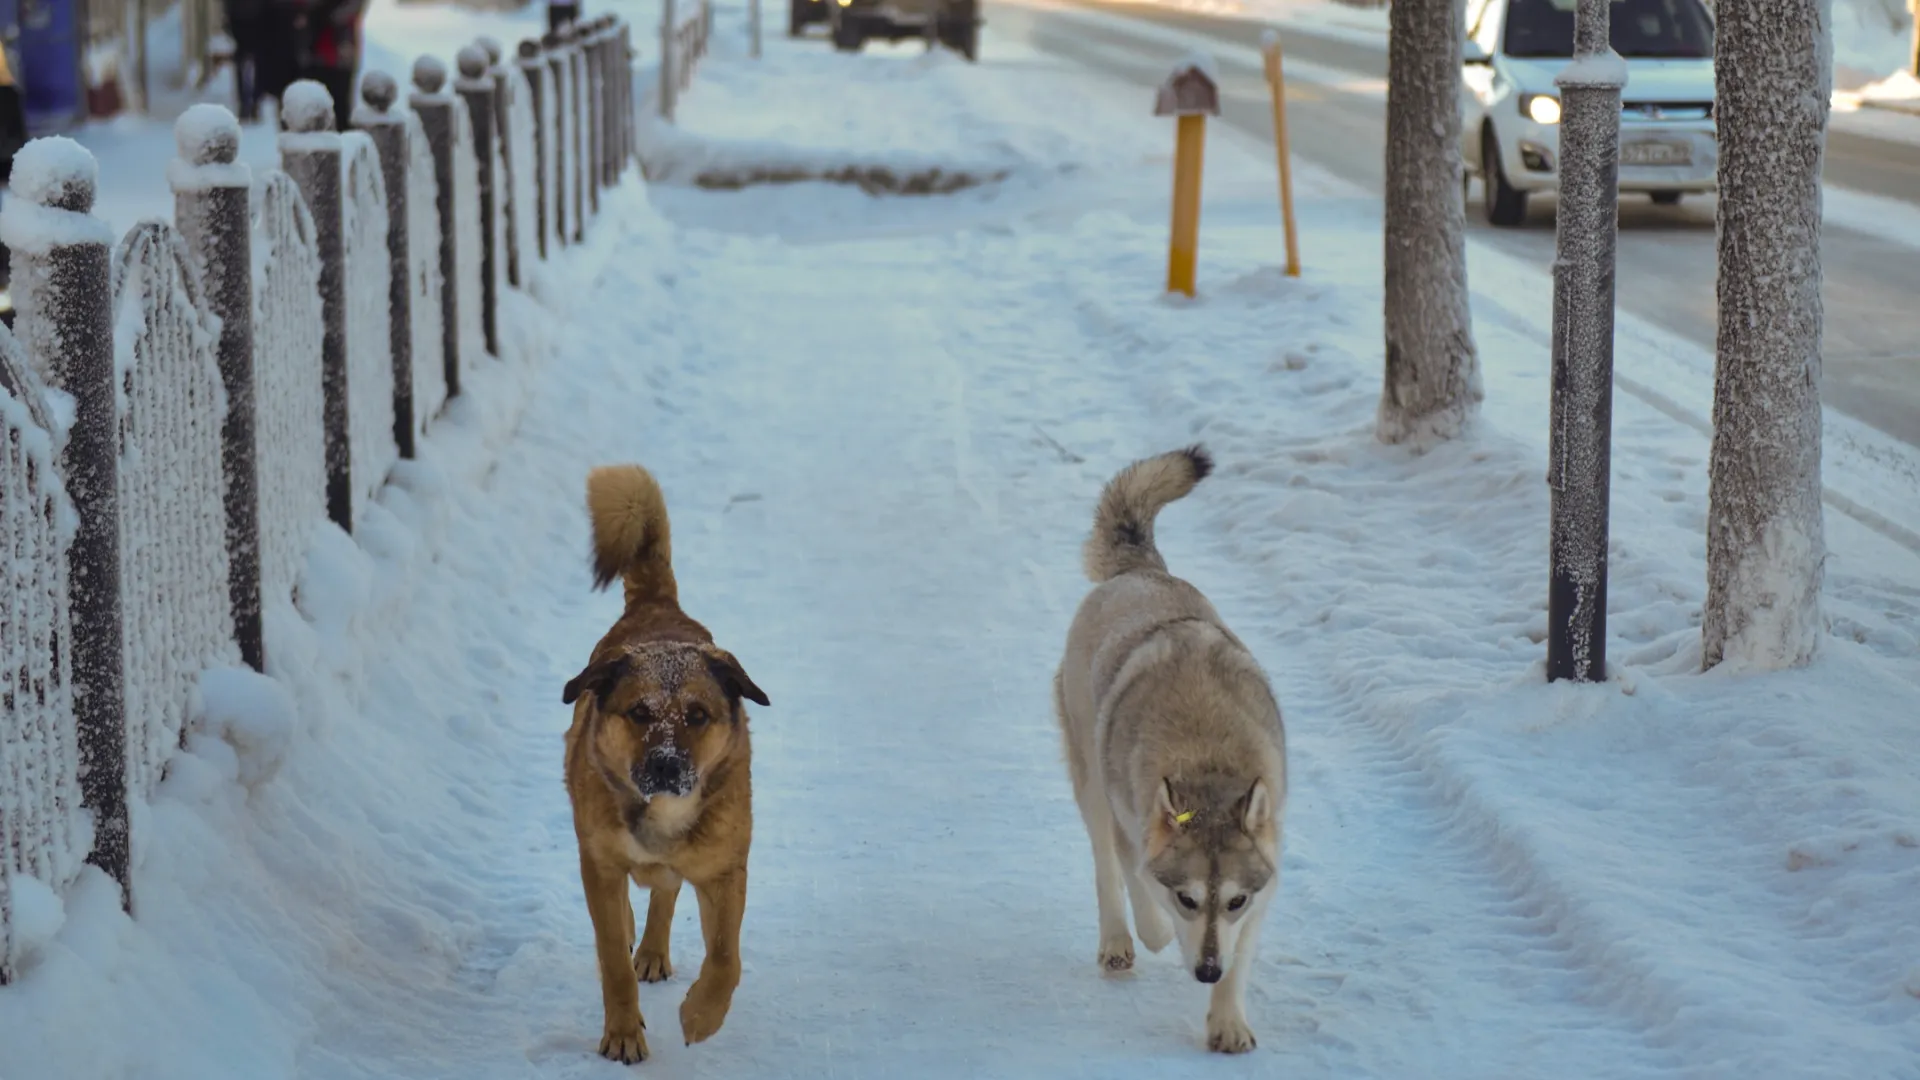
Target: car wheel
1506,207
796,17
848,36
1666,198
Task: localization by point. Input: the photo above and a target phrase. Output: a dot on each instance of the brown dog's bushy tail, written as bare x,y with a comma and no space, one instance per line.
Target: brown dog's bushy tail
631,538
1122,537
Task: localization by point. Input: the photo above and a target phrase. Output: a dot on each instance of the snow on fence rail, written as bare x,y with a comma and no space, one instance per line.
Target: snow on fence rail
182,415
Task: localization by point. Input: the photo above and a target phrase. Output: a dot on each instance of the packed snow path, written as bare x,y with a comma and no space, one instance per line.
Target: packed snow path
866,511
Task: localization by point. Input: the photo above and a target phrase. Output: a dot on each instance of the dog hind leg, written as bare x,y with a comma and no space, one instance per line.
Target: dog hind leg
652,961
1116,943
1150,920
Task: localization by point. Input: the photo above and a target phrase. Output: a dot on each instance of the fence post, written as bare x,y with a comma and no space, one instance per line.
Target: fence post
533,68
629,114
576,96
593,71
610,63
388,130
477,90
212,205
669,59
435,109
503,134
310,154
62,277
557,67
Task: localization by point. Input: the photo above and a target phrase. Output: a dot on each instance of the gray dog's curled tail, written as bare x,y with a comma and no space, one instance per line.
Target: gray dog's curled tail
1122,537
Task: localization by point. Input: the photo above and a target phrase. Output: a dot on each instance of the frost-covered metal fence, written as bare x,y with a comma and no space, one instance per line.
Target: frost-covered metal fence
185,410
685,26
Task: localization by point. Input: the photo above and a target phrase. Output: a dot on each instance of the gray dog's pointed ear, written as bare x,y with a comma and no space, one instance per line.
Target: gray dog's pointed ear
1258,802
598,679
1169,807
732,677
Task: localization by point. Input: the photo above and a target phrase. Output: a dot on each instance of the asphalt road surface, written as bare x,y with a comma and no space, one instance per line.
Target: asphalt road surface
1666,254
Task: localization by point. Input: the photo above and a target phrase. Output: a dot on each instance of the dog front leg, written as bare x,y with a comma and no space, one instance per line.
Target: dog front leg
611,910
723,901
1227,1030
652,962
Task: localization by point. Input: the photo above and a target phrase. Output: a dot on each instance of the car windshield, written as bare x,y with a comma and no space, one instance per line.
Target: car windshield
1668,29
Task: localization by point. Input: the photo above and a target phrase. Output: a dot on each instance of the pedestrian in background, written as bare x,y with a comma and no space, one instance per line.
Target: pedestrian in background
560,13
264,56
329,35
13,136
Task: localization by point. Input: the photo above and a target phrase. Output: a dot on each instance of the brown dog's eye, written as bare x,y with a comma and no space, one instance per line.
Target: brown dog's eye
639,714
696,715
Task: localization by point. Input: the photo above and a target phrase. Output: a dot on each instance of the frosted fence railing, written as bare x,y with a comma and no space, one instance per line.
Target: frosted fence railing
288,395
466,219
42,834
363,203
173,520
423,252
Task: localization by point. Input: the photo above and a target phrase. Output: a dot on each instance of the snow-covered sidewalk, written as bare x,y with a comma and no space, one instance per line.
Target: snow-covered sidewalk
881,425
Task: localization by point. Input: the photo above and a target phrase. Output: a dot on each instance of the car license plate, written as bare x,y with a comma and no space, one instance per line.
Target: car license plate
1656,153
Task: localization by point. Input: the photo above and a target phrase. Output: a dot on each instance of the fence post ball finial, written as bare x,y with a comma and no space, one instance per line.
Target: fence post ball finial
56,172
379,91
490,46
529,48
429,74
307,108
550,40
207,134
473,62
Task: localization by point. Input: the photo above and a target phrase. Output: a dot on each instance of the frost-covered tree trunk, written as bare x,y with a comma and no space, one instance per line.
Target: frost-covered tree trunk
1765,537
1433,375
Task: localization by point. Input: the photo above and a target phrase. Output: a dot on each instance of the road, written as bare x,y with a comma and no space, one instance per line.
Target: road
1666,254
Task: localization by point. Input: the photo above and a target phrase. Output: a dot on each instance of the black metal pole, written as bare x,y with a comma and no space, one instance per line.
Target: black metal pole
1580,453
388,130
476,89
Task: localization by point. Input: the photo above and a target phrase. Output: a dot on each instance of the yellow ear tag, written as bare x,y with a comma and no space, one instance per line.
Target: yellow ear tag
1183,817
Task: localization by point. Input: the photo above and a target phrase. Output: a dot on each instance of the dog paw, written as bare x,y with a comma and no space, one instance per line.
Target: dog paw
704,1010
1116,956
651,967
625,1043
1156,932
1229,1035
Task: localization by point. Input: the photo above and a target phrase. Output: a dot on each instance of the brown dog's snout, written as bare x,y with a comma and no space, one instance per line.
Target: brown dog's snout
664,771
1208,971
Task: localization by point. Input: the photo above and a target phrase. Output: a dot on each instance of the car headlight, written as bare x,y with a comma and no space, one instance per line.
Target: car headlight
1541,108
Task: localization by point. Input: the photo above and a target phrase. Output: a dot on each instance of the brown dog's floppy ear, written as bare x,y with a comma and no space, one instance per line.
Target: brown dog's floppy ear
733,678
598,679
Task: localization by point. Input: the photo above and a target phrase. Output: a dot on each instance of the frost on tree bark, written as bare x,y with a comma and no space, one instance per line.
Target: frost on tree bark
1765,537
1432,385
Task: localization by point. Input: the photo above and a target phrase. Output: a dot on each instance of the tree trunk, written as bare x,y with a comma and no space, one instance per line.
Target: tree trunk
1765,537
1432,383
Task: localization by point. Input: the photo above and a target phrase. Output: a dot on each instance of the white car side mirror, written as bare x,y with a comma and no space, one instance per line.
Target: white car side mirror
1472,53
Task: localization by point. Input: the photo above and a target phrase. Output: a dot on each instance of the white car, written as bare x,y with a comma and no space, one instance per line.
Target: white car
1510,133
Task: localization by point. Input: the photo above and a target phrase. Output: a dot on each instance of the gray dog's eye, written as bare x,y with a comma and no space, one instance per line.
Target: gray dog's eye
1236,903
1188,902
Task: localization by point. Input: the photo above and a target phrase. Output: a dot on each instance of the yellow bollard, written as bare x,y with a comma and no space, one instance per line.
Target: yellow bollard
1190,94
1276,83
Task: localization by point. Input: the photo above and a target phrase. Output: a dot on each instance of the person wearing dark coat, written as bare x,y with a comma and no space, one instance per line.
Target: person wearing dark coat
13,136
265,60
329,35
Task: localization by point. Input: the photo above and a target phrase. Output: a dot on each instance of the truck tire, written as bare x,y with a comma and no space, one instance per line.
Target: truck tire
848,35
796,17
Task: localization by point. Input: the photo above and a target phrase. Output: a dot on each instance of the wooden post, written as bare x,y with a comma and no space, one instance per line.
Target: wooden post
388,130
476,88
310,154
1277,85
434,106
1191,94
66,324
534,69
212,204
560,137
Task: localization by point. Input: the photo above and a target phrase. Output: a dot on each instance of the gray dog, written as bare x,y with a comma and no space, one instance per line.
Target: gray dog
1178,755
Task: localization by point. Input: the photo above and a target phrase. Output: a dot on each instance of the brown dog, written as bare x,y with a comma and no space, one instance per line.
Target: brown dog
658,770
